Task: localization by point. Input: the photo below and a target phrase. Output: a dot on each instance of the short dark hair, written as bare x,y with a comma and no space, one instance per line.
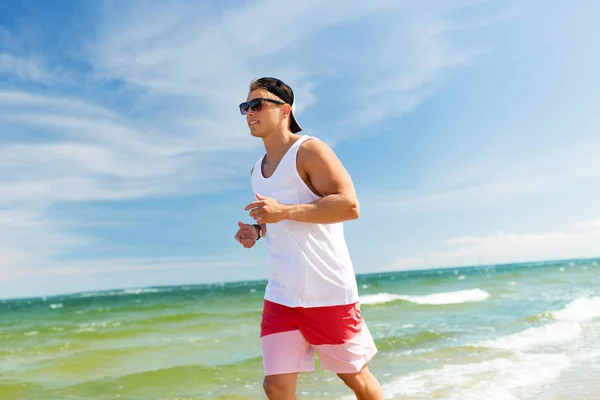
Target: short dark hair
274,86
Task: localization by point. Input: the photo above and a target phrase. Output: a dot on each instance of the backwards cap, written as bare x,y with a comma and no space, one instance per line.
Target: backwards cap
284,92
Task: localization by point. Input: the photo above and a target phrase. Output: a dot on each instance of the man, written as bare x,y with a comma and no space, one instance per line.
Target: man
303,195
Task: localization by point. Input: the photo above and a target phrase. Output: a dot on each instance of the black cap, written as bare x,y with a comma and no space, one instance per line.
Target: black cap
284,92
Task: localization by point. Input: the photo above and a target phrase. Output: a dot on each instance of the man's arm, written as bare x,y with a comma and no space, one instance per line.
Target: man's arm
328,177
263,227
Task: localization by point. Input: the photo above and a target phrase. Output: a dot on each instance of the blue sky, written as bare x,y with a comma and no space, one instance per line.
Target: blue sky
471,130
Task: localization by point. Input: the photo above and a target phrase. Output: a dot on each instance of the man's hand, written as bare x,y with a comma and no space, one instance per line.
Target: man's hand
246,235
267,210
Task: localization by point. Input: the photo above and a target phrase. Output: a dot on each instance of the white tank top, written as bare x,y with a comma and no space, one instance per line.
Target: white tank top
310,263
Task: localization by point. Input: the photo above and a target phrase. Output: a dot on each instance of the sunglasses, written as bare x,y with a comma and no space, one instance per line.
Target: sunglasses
256,104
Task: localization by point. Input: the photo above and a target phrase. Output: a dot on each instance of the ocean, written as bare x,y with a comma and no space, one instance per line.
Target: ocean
523,331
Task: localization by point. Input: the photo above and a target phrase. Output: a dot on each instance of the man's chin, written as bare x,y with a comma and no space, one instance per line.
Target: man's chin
256,133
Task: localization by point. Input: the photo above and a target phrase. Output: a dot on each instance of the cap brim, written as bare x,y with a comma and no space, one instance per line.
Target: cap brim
294,126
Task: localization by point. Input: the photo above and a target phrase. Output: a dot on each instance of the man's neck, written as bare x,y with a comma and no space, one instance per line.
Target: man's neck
277,144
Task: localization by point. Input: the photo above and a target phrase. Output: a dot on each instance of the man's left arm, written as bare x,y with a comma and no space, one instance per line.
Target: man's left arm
330,179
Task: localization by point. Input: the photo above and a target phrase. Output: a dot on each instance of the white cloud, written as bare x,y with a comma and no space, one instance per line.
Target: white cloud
33,246
581,241
402,52
593,225
57,277
28,238
420,41
181,48
87,152
23,68
83,152
496,176
409,263
19,100
113,266
157,114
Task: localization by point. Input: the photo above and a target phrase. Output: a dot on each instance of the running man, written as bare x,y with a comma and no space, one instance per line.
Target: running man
303,196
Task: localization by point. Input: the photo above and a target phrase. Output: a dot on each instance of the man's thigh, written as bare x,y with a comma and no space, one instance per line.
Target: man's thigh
284,349
349,357
340,337
286,352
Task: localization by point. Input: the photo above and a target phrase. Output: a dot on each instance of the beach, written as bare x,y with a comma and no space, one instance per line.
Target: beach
521,331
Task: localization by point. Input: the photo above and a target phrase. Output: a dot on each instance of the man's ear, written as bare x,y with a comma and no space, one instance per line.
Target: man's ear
287,110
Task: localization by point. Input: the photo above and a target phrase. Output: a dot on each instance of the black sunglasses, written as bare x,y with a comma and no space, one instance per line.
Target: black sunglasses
256,104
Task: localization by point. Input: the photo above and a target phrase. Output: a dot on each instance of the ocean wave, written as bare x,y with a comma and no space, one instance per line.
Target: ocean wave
410,340
580,310
124,292
497,379
127,378
545,335
457,297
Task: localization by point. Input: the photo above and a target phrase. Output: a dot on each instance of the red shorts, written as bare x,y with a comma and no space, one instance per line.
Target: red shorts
289,337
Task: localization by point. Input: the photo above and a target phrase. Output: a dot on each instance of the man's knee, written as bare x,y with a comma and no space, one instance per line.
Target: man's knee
355,381
279,387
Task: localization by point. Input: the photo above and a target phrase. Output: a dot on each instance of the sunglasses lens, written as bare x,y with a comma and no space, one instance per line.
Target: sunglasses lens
256,104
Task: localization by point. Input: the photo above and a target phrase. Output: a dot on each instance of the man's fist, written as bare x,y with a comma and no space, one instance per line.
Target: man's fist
246,235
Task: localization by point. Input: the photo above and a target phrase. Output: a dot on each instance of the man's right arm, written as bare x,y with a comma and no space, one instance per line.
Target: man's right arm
263,227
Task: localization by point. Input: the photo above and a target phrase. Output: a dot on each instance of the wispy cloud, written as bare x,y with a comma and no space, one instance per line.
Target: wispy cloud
87,153
148,107
404,50
27,239
182,48
20,100
409,263
581,240
114,266
496,176
54,277
408,62
23,69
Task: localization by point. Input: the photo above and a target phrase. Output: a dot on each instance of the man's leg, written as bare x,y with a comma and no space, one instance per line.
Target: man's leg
281,386
332,333
285,352
364,385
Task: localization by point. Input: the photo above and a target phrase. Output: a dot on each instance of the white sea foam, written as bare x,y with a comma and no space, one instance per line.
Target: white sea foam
588,355
581,310
124,292
498,379
379,298
460,296
531,338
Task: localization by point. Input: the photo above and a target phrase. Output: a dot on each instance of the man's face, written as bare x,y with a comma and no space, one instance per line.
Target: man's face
268,118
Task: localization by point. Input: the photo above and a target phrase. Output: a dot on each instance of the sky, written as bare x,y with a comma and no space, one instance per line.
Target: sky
470,129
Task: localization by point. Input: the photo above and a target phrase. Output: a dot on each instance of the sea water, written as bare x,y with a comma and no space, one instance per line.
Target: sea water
526,331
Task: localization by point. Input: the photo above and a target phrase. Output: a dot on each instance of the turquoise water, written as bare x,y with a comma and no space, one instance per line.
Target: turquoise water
528,331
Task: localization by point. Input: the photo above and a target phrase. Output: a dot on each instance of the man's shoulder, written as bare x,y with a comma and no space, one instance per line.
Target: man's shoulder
313,146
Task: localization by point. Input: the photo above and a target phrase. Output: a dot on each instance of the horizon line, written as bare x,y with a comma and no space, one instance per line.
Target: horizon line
366,274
